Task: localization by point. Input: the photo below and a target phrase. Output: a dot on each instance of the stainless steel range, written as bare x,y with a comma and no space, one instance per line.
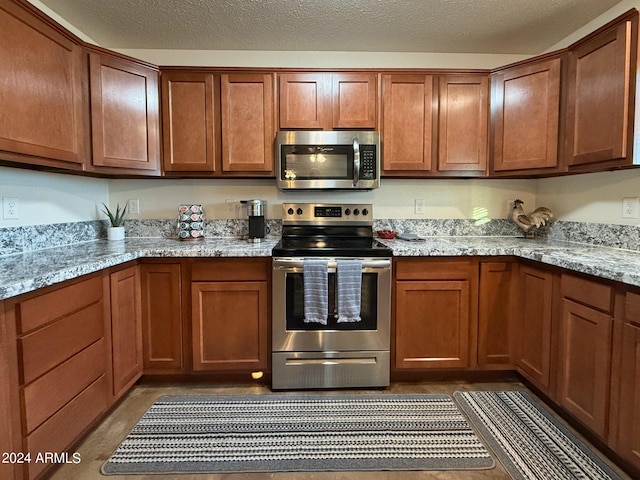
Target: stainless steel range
331,299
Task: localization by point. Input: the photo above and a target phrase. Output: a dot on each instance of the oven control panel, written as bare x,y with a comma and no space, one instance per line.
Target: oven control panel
323,213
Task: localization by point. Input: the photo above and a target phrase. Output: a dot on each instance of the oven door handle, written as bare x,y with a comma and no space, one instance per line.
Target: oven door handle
282,263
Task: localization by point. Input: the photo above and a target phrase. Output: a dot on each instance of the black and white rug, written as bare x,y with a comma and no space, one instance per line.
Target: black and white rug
270,433
529,442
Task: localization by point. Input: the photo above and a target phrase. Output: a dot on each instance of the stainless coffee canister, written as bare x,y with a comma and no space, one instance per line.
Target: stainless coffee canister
190,222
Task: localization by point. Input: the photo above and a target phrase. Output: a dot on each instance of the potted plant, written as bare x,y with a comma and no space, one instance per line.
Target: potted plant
116,230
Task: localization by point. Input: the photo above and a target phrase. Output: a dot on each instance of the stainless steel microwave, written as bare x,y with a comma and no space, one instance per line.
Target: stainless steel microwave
339,160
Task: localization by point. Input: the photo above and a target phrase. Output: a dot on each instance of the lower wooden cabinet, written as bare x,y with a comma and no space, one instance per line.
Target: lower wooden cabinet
162,318
229,315
434,314
534,319
126,328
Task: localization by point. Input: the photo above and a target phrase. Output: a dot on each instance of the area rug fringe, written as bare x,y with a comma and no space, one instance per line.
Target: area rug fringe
529,442
328,432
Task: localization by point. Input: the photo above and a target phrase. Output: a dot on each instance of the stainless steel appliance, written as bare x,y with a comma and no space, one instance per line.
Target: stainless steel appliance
345,160
256,213
335,354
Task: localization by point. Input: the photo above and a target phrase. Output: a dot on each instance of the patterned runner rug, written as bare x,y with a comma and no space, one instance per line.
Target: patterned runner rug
529,442
270,433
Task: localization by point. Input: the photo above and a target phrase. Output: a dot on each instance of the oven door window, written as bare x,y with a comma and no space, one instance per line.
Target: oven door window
295,305
308,162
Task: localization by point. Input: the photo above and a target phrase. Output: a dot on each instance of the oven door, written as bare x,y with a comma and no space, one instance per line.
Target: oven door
291,334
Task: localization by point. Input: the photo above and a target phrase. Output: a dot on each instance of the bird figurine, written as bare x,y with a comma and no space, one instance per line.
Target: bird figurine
540,217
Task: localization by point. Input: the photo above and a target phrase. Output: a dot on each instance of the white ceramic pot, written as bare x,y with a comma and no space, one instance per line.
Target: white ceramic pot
115,233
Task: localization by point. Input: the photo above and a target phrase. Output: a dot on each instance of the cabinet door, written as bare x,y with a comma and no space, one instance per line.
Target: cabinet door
41,92
124,114
535,312
629,407
432,324
188,101
247,123
463,120
161,318
303,100
229,325
585,364
598,97
126,329
495,326
407,123
354,100
525,114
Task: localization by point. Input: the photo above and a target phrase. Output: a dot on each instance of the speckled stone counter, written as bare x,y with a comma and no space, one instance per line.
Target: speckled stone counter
25,272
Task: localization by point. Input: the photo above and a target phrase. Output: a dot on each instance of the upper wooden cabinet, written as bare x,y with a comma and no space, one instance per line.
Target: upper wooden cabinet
601,94
326,101
189,123
525,116
124,115
42,105
435,125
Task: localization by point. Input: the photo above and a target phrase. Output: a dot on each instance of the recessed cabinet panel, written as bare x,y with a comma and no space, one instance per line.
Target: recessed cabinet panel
354,100
495,313
629,409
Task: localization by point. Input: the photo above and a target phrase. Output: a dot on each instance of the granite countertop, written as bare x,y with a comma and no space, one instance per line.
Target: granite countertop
22,273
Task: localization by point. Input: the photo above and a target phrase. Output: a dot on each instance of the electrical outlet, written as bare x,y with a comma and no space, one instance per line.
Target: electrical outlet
133,206
630,207
10,208
231,205
418,206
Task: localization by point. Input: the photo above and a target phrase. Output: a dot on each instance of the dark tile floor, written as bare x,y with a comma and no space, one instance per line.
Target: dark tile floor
99,445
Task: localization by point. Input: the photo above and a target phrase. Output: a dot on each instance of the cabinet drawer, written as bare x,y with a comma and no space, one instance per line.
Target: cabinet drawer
49,346
63,428
230,270
52,391
632,308
428,269
40,310
588,292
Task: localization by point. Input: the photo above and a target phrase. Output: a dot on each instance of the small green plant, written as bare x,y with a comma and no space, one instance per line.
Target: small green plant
117,218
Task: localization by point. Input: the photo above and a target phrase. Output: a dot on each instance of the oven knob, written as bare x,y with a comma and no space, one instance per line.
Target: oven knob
365,212
299,211
356,212
347,212
290,211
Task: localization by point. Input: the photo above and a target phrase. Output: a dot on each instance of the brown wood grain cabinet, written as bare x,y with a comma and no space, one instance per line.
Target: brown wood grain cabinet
42,94
326,101
525,117
189,121
229,314
463,124
497,291
162,317
601,92
534,321
628,444
435,314
125,121
126,328
248,123
409,119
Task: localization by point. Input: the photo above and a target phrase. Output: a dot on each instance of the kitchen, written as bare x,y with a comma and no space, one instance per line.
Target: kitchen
588,198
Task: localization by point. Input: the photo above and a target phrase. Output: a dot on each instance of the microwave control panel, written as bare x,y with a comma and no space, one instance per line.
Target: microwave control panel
368,162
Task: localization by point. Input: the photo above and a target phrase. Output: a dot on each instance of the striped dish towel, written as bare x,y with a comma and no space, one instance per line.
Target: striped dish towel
316,291
349,274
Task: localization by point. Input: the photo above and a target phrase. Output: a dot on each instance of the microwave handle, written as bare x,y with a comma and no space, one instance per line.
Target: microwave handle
356,161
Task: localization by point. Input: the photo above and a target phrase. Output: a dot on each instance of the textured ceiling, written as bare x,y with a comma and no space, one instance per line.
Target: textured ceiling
455,26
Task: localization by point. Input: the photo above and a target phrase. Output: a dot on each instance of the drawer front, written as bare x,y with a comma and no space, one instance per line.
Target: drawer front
591,293
43,309
47,347
230,269
52,391
428,269
63,428
632,308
